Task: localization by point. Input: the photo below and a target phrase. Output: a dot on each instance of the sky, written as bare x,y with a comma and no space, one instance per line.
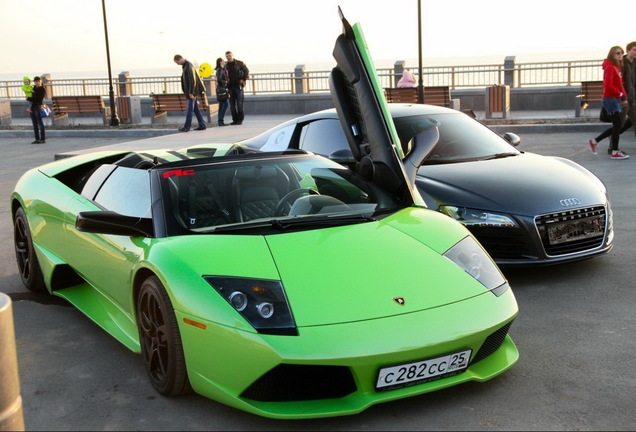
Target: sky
147,34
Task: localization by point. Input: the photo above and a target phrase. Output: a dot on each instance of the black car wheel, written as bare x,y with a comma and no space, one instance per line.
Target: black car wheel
28,265
160,340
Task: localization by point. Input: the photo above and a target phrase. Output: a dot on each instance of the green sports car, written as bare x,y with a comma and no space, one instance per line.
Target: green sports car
282,284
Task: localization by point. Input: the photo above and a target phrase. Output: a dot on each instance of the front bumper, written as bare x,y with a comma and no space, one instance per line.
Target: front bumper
242,369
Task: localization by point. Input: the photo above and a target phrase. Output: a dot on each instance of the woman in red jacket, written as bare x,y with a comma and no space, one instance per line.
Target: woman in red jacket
614,98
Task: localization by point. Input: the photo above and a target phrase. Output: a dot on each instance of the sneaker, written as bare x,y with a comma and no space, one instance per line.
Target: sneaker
619,155
593,144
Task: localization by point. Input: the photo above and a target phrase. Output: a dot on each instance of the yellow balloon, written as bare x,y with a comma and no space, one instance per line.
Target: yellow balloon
205,70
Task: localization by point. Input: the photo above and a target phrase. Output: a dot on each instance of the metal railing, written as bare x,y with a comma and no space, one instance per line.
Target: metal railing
565,73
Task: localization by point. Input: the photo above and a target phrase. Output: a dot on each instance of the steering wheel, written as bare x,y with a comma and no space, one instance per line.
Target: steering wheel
285,203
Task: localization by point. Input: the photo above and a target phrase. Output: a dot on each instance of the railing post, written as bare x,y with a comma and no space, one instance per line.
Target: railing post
509,71
11,416
300,80
48,85
398,69
125,85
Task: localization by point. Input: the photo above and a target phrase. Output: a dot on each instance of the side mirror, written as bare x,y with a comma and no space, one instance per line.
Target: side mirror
513,139
108,222
343,156
423,143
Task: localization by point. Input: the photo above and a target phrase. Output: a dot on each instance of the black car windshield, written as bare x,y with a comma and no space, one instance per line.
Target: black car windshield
461,138
234,195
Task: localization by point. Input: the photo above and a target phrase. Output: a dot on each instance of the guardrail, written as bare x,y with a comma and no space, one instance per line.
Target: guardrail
302,82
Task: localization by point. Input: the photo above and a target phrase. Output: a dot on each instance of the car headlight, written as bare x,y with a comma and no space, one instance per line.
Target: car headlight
261,302
472,258
474,217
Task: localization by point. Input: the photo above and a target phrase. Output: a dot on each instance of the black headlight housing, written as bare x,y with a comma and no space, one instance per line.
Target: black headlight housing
262,302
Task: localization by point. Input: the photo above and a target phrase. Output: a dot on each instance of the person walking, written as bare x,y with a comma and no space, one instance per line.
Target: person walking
238,73
192,87
628,70
614,99
37,100
221,89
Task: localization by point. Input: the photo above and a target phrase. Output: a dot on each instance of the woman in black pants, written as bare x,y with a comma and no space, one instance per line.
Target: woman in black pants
614,99
37,99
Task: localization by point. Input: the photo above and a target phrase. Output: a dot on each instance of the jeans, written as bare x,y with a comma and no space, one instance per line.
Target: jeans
193,106
222,109
236,103
38,124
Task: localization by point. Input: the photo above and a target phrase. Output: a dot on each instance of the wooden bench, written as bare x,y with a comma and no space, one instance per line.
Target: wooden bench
439,96
64,105
591,91
165,102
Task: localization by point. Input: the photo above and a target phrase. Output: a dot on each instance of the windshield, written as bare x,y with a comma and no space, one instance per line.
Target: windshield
242,193
461,138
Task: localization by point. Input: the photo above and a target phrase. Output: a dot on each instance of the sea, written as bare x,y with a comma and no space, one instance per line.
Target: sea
323,66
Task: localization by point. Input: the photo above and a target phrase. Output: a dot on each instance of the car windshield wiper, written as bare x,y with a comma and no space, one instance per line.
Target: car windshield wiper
322,220
501,155
283,224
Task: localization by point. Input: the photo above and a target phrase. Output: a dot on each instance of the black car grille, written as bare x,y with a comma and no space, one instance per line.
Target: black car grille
504,243
288,382
574,222
492,343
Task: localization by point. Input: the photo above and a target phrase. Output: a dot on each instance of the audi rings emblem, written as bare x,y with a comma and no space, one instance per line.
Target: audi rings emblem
399,300
569,202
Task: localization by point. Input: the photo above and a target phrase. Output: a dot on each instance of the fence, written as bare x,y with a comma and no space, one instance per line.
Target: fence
299,81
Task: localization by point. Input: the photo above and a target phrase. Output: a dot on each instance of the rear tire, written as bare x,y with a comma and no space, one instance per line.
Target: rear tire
28,265
161,347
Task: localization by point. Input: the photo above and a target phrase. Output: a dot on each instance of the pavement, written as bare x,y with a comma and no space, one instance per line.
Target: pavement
575,329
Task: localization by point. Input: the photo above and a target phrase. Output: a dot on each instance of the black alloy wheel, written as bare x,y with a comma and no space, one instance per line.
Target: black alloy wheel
161,347
28,265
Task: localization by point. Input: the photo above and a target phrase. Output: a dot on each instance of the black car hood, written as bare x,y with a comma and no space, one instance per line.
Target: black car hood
528,184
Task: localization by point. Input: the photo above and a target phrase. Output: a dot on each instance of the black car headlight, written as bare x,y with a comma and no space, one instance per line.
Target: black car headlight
262,302
475,217
472,258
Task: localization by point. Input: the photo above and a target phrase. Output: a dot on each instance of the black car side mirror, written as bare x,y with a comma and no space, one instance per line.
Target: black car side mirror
109,222
422,145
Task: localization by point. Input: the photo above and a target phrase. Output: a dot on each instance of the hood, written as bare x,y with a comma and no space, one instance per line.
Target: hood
607,63
328,280
533,184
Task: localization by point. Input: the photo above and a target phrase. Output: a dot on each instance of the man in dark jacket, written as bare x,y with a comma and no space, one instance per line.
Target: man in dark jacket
238,73
192,87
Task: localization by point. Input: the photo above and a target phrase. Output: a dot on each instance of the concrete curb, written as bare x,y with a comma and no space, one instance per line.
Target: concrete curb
89,133
518,128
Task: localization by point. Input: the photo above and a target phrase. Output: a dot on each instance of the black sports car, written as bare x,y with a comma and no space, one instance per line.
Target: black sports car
525,209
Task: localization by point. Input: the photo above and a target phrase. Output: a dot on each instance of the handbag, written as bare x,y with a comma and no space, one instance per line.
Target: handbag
45,111
605,116
221,94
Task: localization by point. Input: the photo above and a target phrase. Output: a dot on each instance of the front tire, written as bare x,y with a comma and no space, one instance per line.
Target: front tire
28,264
161,347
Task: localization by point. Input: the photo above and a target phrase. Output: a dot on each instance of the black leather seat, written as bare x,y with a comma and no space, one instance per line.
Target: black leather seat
257,191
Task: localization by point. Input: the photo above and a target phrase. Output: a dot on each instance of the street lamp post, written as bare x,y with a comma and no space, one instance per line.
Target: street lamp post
114,120
420,86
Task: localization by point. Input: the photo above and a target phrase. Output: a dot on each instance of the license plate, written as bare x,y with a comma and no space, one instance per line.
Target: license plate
418,372
576,230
